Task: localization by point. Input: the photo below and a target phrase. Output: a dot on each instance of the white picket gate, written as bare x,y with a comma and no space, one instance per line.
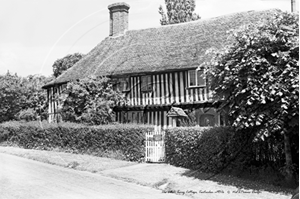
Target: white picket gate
155,146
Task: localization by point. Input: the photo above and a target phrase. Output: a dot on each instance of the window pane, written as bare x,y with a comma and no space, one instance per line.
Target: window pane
200,78
192,78
146,83
207,120
123,84
149,83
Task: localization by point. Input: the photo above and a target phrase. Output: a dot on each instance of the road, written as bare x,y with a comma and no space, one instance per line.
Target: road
22,178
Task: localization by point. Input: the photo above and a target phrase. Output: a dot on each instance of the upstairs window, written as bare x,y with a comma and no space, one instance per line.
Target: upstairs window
146,85
123,84
196,78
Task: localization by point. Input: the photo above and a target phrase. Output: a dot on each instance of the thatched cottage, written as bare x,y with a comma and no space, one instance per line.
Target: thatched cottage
156,67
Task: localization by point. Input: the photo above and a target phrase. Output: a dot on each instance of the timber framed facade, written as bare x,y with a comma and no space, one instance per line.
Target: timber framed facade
156,68
165,90
53,104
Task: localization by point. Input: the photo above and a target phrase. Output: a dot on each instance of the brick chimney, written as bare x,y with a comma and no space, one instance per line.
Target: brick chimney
295,6
118,14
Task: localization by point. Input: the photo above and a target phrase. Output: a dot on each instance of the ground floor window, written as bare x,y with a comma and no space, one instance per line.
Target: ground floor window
202,117
207,120
196,117
207,117
136,117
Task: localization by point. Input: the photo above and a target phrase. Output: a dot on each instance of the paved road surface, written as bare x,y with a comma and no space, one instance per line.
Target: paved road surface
21,178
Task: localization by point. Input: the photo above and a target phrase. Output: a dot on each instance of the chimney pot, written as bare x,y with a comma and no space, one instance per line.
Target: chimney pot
118,14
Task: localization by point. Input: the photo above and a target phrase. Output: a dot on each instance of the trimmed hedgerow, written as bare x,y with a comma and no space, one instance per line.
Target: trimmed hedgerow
126,140
226,150
199,148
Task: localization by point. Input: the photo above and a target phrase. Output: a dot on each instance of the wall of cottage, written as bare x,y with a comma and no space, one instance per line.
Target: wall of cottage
159,117
53,105
167,88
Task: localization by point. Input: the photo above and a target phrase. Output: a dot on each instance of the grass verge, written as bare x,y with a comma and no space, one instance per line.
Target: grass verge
75,161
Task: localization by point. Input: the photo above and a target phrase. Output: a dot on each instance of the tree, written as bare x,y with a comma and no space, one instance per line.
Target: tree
256,79
11,96
36,99
17,94
61,65
178,11
90,100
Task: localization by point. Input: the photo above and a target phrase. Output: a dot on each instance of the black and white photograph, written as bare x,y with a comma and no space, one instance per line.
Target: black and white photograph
142,99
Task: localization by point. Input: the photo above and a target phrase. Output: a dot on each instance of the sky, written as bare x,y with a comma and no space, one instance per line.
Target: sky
35,33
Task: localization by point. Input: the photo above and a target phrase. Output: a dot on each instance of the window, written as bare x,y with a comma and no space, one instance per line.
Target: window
196,78
192,78
123,84
207,120
146,83
135,117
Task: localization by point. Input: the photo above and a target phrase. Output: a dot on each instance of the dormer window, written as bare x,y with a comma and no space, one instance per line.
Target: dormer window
196,78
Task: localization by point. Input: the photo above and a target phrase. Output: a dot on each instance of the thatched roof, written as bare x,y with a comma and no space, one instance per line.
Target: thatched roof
164,48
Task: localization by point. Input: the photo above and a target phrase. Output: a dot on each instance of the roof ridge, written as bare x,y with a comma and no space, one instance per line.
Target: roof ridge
199,20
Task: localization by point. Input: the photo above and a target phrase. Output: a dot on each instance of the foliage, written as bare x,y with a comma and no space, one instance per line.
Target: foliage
178,11
197,147
19,93
257,77
124,139
27,115
90,100
61,65
226,150
36,97
11,96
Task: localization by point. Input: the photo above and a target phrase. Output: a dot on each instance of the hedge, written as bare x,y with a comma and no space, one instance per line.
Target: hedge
208,149
223,149
126,140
